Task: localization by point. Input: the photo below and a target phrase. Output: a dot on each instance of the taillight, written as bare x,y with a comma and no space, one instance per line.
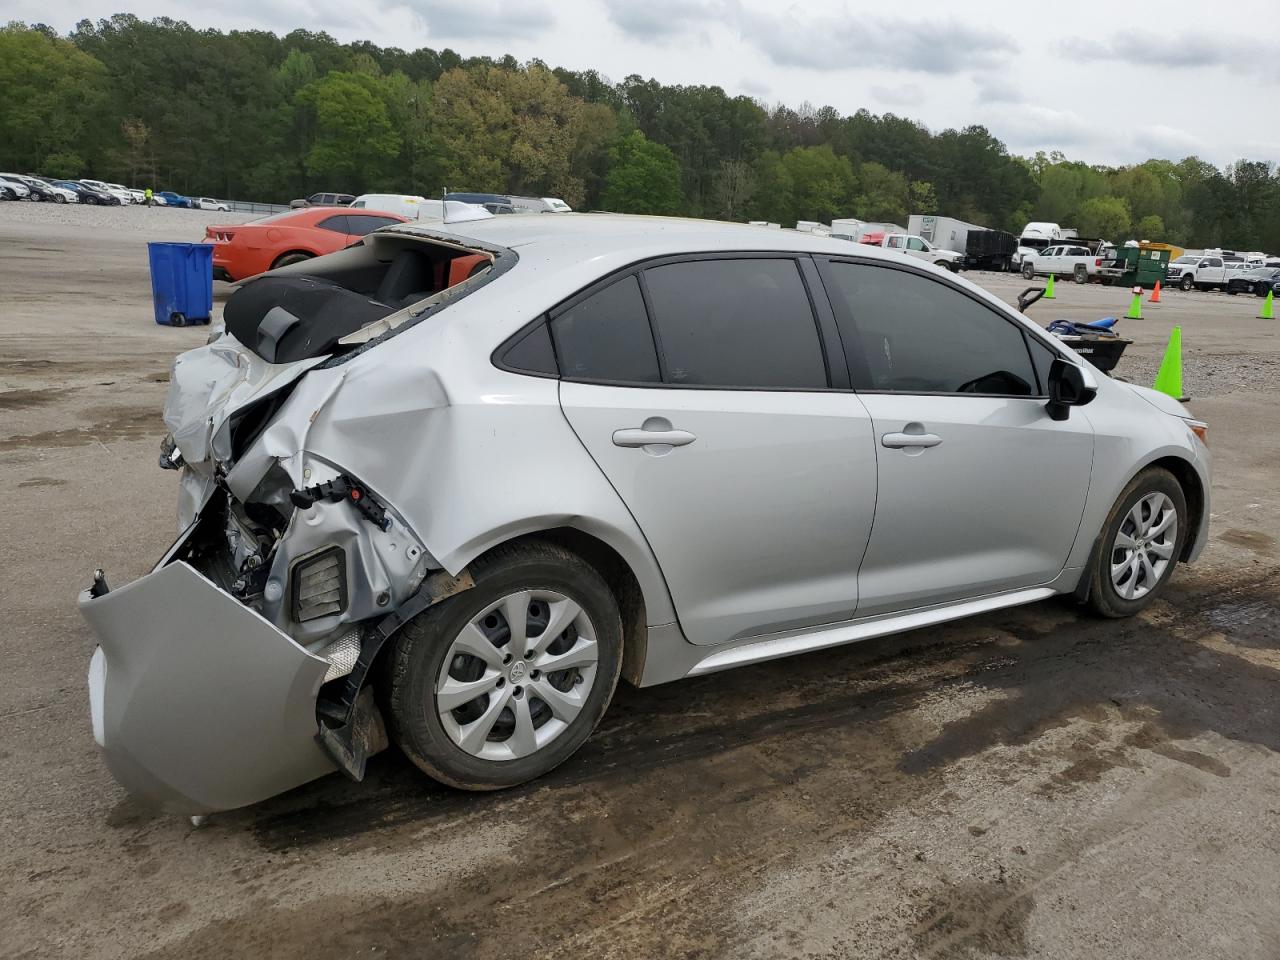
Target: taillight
1097,262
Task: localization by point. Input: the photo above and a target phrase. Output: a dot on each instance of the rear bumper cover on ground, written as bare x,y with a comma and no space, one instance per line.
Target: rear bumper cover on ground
198,702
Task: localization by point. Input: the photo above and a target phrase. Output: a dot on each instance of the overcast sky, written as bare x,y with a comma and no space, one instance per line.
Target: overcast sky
1103,82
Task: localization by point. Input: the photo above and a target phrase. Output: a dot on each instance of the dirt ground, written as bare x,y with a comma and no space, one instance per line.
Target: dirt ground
1033,783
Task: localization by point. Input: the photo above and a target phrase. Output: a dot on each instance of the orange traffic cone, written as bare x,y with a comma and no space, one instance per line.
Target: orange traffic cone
1155,294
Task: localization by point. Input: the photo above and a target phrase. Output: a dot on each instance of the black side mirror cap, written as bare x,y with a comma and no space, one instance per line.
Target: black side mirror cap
1068,387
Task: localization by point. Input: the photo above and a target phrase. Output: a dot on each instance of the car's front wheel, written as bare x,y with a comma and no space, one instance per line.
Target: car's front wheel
1140,544
502,683
1186,283
1028,271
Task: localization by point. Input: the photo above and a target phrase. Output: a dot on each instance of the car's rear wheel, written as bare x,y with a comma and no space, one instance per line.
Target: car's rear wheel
1140,544
1080,274
288,258
502,683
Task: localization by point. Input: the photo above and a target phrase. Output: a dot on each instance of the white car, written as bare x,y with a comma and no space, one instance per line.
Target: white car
124,193
208,203
117,191
14,189
1062,260
922,249
599,446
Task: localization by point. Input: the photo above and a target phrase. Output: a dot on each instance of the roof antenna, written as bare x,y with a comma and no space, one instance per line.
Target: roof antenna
455,211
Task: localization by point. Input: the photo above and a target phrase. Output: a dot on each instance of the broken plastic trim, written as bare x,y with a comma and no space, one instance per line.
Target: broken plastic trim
347,731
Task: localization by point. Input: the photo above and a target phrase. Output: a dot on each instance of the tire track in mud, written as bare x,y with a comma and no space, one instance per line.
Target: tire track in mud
690,794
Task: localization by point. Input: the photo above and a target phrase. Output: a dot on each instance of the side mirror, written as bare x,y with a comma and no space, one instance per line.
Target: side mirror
1069,386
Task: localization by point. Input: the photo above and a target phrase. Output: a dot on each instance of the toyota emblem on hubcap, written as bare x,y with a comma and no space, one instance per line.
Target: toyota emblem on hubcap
517,671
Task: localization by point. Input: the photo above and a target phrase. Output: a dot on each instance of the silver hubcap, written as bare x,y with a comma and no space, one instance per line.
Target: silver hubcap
1144,546
517,675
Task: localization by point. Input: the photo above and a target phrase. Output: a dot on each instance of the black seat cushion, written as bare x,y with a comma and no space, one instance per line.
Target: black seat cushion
326,313
412,276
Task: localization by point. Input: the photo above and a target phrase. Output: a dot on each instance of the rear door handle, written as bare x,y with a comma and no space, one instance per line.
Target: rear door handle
639,437
898,441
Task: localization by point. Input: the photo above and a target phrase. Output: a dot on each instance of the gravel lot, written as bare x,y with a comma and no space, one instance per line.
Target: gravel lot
1031,783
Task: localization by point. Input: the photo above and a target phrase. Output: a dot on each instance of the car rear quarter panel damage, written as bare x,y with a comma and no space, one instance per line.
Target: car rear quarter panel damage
470,456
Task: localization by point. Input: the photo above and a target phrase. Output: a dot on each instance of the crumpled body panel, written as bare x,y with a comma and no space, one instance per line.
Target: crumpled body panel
199,703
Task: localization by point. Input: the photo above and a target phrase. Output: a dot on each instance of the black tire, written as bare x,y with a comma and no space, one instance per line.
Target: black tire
59,198
1080,274
1231,293
1186,283
1104,599
419,650
177,320
1028,271
296,257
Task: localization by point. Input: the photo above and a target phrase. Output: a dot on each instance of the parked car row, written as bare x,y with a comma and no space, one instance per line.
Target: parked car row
26,186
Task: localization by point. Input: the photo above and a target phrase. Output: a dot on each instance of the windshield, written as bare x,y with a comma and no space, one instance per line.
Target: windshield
1035,243
1187,260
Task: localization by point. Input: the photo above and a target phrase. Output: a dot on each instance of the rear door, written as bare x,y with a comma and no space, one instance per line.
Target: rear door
711,393
979,490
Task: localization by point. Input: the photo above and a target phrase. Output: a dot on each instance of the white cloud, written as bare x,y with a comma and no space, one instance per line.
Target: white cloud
489,19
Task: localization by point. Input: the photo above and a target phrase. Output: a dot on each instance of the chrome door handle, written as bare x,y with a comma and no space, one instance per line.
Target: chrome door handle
898,441
639,437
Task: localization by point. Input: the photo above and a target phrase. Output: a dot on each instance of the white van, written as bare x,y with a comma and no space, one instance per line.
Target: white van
415,208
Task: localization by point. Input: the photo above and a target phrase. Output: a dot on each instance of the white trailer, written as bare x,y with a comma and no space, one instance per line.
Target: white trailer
851,228
944,232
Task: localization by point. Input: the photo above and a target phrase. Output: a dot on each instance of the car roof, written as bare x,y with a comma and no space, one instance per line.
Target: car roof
564,237
560,254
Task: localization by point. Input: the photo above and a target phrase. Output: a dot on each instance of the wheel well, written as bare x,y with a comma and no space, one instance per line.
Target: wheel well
622,584
1192,489
289,253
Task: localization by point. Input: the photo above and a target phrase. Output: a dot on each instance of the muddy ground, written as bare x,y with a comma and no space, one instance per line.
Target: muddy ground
1033,783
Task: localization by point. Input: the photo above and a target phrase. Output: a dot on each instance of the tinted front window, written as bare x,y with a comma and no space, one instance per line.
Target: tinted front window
607,336
736,323
917,335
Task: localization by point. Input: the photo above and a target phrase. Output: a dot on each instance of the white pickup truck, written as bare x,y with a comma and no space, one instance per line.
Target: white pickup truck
1198,272
920,248
1062,260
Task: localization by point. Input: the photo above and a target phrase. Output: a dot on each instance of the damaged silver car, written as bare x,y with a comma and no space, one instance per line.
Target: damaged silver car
448,485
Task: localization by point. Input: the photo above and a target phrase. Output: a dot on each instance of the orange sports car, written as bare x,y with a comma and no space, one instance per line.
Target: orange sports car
246,249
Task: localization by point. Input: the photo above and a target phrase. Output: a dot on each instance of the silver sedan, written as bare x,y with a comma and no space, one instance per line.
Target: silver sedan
485,467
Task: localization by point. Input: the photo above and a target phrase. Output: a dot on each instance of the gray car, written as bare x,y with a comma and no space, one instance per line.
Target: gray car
484,469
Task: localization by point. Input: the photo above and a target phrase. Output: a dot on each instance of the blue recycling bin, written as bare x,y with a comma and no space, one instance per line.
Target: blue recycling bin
181,282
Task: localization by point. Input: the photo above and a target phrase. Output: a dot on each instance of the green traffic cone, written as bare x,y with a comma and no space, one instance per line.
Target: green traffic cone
1169,379
1048,289
1268,308
1135,308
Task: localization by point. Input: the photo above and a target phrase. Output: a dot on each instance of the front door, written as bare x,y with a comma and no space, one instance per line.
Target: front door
752,481
979,490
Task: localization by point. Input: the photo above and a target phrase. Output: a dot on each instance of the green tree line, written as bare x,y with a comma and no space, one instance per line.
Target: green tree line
248,114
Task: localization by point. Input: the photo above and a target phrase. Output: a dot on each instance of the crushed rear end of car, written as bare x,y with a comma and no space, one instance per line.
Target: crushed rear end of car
235,669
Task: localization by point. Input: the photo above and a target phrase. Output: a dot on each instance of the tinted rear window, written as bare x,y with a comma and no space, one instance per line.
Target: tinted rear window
607,336
736,323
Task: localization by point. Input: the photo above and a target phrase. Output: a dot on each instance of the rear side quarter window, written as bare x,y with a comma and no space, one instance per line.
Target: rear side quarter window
606,336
